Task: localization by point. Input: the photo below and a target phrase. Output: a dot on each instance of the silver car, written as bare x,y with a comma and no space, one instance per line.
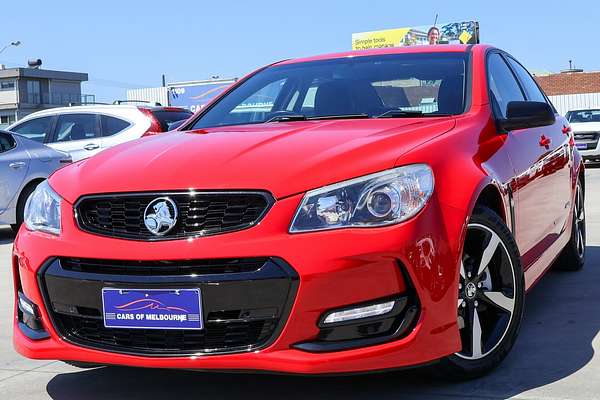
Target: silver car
24,164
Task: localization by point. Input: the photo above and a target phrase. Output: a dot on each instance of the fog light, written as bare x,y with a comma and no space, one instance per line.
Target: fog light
29,321
372,310
26,306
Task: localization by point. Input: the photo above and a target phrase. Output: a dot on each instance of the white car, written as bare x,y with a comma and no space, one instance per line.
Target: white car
586,130
83,131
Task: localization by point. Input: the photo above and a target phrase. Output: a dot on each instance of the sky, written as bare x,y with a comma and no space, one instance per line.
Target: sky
130,44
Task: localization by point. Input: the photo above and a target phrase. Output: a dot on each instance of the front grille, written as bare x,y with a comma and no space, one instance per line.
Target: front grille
199,213
163,268
587,140
215,336
245,303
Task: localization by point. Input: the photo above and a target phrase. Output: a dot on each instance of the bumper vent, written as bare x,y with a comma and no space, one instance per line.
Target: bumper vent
245,306
198,213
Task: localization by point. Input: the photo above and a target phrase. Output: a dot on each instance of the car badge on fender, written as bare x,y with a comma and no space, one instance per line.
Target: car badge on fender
160,216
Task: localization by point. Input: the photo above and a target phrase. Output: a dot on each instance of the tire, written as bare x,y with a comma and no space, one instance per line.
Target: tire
572,257
491,298
21,205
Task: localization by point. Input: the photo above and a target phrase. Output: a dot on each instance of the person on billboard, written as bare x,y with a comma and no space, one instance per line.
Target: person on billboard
433,35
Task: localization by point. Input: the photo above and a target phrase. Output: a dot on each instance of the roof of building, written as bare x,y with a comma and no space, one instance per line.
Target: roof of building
43,74
570,83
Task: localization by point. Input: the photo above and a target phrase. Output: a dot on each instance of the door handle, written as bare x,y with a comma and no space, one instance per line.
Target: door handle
544,141
17,165
91,146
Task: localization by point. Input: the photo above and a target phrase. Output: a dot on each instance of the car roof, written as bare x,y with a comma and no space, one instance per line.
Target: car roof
99,108
446,48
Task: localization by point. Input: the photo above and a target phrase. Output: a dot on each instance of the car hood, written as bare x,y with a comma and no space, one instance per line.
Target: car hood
282,158
585,126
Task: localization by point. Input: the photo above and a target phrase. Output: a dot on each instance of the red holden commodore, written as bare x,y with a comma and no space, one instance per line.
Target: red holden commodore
342,213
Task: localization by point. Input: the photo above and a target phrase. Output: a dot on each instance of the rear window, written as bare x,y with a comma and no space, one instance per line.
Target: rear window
167,118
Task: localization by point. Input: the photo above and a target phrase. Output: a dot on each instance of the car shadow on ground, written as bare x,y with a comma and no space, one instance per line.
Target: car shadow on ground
6,235
560,324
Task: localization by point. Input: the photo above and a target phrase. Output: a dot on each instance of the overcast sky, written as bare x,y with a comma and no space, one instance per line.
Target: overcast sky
127,44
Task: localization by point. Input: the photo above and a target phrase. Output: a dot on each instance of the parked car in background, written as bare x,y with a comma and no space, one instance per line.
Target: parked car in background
83,131
24,163
586,130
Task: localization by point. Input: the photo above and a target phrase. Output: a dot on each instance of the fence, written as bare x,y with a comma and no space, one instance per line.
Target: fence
568,102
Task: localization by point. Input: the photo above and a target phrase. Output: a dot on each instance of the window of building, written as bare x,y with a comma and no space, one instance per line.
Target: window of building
7,85
34,92
7,119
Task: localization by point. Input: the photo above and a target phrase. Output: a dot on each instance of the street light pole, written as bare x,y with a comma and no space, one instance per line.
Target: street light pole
15,43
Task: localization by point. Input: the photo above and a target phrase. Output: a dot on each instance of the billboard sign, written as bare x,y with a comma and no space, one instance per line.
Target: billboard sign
466,32
195,95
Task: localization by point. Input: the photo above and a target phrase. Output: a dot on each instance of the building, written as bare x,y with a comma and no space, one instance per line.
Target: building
572,89
26,90
192,95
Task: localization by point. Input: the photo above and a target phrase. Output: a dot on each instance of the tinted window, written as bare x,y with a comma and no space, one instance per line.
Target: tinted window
531,88
503,84
112,125
166,117
584,116
7,142
76,127
35,129
371,85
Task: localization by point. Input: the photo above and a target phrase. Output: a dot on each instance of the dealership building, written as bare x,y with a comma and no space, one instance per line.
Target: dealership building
27,90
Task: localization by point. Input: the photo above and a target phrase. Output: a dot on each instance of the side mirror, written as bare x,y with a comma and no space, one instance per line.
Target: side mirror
527,114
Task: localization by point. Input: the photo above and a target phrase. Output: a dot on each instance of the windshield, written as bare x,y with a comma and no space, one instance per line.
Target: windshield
584,116
427,84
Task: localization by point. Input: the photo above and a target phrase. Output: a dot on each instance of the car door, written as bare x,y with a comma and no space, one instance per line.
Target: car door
556,161
77,134
527,153
14,162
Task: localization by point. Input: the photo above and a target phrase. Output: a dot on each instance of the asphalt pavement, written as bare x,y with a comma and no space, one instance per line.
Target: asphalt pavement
554,357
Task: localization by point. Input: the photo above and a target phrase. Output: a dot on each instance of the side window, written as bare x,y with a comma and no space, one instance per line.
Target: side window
7,142
531,88
76,127
35,129
503,85
112,125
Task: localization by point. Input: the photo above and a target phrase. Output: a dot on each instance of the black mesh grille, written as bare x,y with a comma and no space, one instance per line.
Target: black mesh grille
199,214
162,268
216,335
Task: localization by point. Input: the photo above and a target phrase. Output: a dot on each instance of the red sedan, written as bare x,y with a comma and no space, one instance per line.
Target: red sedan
342,213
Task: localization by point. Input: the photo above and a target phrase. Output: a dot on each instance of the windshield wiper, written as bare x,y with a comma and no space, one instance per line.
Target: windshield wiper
341,116
287,117
408,114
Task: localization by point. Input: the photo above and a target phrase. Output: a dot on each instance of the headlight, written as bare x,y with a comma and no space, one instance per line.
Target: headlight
42,210
380,199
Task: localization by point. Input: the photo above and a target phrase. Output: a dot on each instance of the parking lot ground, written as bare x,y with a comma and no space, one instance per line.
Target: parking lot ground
554,357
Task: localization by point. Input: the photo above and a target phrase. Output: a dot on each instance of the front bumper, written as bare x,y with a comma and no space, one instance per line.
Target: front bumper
333,269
